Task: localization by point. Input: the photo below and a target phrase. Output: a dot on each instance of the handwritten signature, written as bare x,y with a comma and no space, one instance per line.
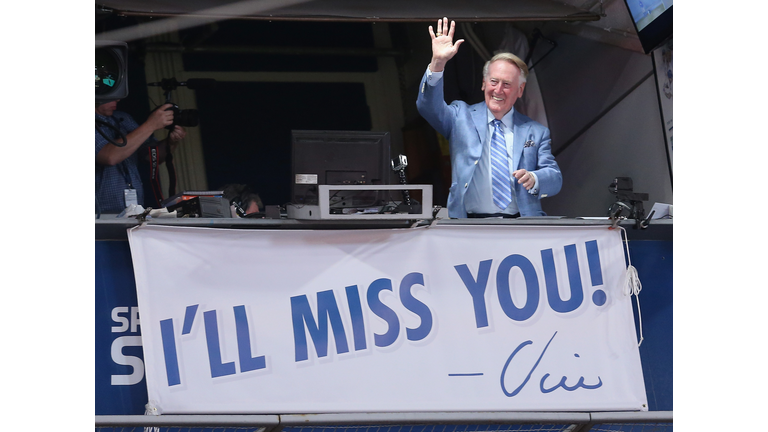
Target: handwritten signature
562,383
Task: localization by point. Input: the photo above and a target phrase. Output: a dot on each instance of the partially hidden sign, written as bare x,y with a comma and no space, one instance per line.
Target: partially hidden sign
446,318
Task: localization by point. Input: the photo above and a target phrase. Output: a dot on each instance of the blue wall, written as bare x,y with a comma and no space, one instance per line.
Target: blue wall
653,261
116,288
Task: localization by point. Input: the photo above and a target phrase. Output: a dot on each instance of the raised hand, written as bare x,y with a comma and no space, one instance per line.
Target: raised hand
443,47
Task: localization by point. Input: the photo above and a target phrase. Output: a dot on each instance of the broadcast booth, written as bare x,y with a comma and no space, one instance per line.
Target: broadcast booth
350,298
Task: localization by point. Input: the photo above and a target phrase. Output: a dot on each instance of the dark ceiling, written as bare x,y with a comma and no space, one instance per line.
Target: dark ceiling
358,10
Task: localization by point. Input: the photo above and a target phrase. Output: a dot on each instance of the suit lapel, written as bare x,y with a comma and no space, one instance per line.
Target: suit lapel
480,119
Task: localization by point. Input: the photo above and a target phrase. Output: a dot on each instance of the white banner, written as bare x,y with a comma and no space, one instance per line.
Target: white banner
447,318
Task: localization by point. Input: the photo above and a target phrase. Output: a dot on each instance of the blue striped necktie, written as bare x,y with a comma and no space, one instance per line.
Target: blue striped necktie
502,190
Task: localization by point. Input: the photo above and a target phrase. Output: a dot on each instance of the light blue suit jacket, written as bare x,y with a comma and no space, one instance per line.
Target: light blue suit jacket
466,128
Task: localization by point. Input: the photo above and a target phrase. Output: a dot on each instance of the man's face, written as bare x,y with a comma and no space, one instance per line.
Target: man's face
501,87
106,109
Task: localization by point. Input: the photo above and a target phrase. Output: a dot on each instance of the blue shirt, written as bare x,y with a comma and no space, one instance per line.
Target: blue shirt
111,181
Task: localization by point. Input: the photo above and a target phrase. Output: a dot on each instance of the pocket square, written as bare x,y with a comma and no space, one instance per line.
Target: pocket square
529,143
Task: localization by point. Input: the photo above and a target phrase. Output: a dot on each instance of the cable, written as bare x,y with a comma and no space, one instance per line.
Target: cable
114,128
632,285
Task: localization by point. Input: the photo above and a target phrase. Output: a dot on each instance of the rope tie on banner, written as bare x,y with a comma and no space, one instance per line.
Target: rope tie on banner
632,285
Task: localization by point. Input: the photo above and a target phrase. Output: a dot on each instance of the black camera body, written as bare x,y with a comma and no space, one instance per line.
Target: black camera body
623,188
628,202
183,117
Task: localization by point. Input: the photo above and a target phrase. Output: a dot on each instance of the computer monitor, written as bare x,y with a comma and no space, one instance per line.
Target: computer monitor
339,158
653,21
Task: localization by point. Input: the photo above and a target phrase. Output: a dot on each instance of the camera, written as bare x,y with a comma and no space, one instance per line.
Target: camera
629,203
182,117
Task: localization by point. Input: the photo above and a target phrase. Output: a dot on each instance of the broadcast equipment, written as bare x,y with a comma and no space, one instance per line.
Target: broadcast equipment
408,205
182,117
629,204
399,168
339,158
653,21
207,204
111,62
111,70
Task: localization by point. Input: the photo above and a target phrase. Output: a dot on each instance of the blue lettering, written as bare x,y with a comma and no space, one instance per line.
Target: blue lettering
356,312
476,289
327,309
574,277
593,257
214,347
531,286
169,352
247,363
189,318
384,312
412,304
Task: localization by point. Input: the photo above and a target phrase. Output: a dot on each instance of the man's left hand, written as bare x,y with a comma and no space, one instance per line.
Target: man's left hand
525,178
177,134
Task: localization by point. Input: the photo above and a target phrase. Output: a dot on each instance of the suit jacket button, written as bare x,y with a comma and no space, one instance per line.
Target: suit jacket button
476,162
466,184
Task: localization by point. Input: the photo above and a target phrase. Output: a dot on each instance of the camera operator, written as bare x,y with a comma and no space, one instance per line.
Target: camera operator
118,183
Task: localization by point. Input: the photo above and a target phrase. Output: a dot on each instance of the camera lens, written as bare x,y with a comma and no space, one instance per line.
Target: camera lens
187,118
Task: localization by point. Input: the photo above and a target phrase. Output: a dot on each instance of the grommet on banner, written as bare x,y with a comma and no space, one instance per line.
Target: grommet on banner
151,409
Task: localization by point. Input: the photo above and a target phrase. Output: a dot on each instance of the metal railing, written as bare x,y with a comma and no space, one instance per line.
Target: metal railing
399,422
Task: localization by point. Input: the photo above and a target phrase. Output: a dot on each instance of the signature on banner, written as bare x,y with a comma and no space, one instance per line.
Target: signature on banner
562,383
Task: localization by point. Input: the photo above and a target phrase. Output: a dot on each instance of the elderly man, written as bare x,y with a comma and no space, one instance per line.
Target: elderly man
118,183
500,159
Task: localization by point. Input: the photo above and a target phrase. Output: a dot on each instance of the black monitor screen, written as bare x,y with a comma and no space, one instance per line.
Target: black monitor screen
653,21
338,158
